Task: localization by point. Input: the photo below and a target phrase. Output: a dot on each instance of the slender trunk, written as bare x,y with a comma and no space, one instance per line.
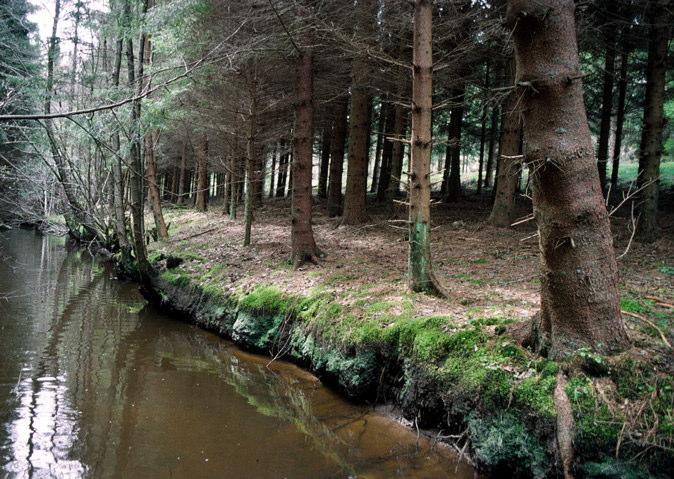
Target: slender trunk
607,92
201,200
233,186
149,139
510,161
650,149
181,174
251,161
387,155
117,178
325,163
453,161
381,125
337,157
136,183
272,172
491,152
397,155
282,169
302,236
620,116
420,270
580,304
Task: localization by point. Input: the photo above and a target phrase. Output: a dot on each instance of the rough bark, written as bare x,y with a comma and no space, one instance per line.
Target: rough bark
201,156
302,236
397,155
325,163
579,292
607,91
337,157
509,164
359,131
420,269
650,150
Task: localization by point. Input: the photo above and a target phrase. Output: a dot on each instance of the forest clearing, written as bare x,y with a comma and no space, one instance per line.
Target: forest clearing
317,238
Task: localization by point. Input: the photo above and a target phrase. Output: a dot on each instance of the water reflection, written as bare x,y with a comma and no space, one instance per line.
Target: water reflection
93,384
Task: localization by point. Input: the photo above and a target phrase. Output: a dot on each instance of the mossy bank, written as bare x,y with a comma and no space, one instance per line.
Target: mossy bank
489,396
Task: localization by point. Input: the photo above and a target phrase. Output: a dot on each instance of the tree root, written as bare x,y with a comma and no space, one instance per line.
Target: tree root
565,425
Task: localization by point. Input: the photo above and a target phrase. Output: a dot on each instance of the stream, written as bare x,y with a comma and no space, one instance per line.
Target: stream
94,382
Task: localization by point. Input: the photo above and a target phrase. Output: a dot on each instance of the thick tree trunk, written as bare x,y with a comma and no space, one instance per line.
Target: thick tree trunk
620,113
337,157
509,164
650,150
453,158
325,163
580,305
302,236
607,91
420,269
359,132
202,175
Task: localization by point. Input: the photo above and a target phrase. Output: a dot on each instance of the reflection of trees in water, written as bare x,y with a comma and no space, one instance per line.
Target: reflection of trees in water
340,431
57,400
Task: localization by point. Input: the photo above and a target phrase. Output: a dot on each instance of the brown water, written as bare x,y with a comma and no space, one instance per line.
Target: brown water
95,383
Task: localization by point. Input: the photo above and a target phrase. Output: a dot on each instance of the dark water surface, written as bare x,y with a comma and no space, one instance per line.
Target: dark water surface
95,383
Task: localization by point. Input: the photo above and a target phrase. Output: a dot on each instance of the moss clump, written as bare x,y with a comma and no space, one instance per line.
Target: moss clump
502,443
265,299
176,279
259,331
535,393
612,468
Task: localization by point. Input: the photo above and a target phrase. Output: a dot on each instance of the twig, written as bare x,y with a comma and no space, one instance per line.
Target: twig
650,323
661,302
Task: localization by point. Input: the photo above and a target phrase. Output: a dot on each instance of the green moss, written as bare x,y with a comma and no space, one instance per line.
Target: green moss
535,393
611,468
633,305
502,442
469,279
175,278
265,299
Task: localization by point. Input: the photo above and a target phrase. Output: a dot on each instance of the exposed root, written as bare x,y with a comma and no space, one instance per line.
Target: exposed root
565,426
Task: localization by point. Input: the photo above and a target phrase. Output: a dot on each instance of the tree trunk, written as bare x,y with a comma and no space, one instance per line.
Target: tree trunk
650,150
337,157
359,132
233,185
282,170
150,170
607,91
117,178
580,305
491,152
397,155
381,125
251,161
155,200
272,172
509,164
620,114
181,176
325,163
302,236
483,129
386,155
202,175
420,269
359,129
453,161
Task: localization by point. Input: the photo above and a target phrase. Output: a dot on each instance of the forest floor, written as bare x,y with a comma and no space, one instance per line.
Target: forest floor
621,403
489,272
